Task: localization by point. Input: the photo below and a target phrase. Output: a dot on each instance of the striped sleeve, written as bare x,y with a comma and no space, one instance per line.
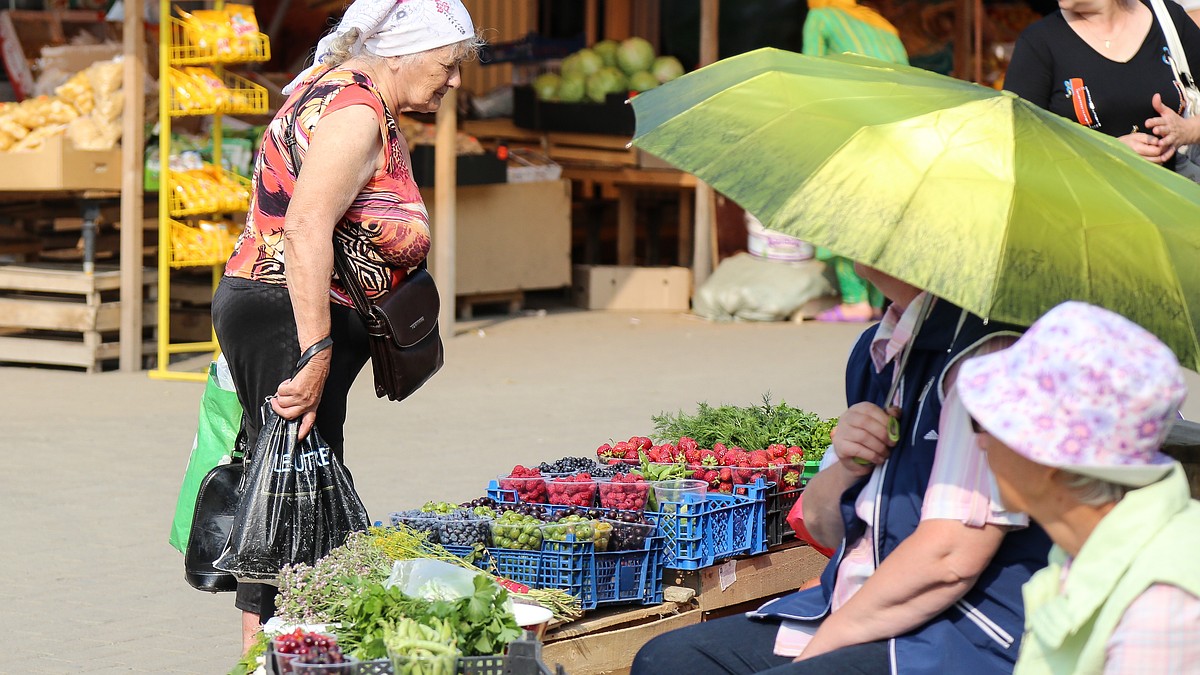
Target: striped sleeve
961,486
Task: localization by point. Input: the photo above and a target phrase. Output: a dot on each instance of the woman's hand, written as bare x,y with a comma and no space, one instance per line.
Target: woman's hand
862,439
299,397
1172,129
1149,146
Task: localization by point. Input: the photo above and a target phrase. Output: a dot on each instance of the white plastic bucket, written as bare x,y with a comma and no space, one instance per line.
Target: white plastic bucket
774,245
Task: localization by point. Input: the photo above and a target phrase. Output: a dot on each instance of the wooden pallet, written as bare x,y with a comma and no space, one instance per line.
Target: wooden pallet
57,315
514,300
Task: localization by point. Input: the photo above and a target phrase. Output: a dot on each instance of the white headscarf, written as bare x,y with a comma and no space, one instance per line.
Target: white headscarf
397,27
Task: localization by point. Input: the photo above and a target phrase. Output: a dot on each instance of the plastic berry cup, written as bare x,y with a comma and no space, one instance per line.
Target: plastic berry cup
565,491
626,496
680,496
531,489
629,536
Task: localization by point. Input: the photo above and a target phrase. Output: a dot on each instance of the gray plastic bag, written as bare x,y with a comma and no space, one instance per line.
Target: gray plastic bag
748,288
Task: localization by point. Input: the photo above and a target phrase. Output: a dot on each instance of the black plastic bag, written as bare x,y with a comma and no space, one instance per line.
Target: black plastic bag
298,503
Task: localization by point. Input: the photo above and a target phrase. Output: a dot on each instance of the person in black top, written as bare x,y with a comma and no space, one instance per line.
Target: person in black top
1104,64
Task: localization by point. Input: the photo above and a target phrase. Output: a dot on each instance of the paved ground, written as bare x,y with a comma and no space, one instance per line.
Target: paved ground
93,462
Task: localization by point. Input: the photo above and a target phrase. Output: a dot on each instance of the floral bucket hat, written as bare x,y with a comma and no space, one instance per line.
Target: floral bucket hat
1085,390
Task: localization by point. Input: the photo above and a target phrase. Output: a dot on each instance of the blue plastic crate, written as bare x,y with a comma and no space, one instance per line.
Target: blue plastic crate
697,534
565,565
630,577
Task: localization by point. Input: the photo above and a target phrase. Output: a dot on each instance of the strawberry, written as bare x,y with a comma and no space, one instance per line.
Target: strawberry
795,456
698,472
791,477
640,442
719,450
686,443
759,459
777,450
726,475
692,455
711,477
708,458
726,488
631,452
604,451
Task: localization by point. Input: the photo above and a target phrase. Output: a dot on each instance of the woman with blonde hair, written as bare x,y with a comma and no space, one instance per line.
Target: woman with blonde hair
333,172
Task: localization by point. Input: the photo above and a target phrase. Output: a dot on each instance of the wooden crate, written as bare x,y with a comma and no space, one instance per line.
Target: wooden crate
57,315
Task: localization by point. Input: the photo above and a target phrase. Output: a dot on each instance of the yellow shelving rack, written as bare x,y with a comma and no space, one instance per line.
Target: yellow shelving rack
183,242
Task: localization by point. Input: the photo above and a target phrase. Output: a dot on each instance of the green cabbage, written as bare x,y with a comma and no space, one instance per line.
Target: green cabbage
635,54
667,68
546,86
642,81
607,49
571,89
604,82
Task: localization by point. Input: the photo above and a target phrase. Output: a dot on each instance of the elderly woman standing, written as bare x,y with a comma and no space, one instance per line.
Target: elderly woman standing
1072,417
333,171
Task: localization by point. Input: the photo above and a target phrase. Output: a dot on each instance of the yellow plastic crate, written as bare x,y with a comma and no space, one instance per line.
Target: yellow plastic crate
193,246
219,199
186,48
245,98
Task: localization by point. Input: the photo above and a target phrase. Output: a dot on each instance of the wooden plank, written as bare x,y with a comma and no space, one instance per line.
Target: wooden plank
49,314
56,279
611,651
132,197
603,141
53,352
445,216
565,153
626,225
760,576
614,617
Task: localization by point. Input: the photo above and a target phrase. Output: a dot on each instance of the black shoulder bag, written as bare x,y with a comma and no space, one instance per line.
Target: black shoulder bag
402,324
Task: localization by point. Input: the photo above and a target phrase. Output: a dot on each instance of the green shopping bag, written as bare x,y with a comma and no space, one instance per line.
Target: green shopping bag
220,419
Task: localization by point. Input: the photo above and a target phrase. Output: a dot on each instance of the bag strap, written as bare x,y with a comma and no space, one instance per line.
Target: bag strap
341,262
312,351
1178,60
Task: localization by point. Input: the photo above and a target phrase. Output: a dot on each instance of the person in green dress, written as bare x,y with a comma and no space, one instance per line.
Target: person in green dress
836,27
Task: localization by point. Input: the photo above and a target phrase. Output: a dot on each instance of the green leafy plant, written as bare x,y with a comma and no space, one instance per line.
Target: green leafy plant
750,427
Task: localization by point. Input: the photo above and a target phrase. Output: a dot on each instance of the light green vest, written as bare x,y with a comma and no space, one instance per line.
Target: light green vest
1151,536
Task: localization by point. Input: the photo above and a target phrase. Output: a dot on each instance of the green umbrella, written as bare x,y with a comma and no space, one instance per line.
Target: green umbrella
973,194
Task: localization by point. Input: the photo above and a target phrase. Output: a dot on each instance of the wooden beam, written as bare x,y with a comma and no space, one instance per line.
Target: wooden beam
445,197
591,31
706,208
618,19
132,144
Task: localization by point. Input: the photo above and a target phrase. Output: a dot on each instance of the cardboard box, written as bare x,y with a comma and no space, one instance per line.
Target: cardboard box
616,287
57,165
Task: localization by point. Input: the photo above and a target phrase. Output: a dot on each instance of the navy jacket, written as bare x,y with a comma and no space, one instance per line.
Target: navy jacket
980,633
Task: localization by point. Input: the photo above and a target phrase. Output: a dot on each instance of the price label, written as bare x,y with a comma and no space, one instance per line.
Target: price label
727,574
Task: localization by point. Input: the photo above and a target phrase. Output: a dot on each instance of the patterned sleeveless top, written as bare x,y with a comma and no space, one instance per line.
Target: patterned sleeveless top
385,232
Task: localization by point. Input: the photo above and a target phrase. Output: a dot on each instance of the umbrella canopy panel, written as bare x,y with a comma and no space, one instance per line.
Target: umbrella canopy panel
976,195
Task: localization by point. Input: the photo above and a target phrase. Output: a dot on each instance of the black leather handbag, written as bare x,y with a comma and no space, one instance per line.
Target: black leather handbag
402,325
216,504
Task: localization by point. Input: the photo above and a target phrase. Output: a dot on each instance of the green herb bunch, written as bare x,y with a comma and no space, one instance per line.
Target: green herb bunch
750,428
320,593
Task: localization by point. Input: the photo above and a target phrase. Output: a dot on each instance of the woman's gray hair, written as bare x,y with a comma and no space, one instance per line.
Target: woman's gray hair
347,46
1094,491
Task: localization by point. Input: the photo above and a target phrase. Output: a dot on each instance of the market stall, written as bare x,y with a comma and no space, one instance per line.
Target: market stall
642,537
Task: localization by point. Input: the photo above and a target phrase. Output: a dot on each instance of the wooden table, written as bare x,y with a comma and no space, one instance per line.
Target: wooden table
607,163
607,640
